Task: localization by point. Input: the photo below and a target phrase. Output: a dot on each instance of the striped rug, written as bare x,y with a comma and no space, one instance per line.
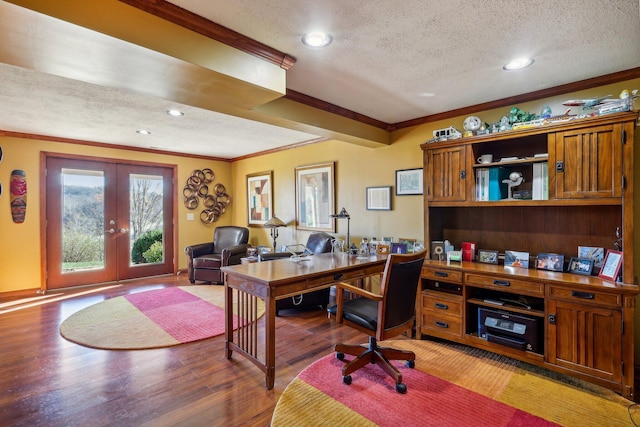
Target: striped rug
452,385
152,319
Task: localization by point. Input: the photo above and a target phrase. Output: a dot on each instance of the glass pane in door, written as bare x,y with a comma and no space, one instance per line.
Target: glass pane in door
83,220
146,223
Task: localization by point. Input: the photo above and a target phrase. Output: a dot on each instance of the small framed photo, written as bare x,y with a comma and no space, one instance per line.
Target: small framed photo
408,182
552,262
611,265
411,243
383,249
580,266
516,259
378,198
589,252
488,257
398,248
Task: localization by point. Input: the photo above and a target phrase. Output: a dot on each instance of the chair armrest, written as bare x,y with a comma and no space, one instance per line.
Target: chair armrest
340,287
359,291
233,254
195,251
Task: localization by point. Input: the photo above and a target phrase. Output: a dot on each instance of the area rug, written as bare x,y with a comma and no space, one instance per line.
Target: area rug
451,385
152,319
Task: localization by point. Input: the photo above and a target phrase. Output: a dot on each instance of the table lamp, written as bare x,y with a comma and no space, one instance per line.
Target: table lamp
344,214
273,223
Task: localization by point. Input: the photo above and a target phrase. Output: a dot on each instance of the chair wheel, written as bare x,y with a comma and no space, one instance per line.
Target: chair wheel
347,380
410,364
400,388
339,356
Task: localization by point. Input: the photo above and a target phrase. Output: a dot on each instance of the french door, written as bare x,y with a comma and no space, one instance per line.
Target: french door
107,221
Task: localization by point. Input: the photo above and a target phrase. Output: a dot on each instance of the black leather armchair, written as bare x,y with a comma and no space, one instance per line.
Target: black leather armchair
317,243
204,260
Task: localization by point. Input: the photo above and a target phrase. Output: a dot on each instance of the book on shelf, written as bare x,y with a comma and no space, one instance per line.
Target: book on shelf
489,185
540,183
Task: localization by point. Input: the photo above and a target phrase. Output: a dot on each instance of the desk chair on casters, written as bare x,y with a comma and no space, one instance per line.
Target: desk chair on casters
381,316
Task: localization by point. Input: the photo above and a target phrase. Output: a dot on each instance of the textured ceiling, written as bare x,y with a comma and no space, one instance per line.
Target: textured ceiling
384,58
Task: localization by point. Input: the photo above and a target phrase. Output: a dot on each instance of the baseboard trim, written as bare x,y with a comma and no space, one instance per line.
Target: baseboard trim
23,293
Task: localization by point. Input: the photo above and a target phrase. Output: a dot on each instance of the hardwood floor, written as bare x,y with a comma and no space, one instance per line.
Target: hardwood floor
49,381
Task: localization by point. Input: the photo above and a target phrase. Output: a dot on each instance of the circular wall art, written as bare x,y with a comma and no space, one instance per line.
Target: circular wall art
197,190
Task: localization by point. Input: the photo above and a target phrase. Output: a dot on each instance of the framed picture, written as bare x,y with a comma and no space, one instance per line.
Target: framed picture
383,249
315,197
409,182
411,243
611,265
580,266
552,262
589,252
260,198
488,257
516,259
378,198
398,248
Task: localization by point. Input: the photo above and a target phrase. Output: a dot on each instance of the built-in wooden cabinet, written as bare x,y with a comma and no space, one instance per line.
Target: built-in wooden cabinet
584,324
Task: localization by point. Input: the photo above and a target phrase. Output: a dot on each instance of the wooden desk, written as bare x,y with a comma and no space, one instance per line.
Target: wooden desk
275,280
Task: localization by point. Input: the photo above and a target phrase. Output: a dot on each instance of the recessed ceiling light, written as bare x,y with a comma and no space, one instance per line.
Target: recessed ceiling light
518,64
317,39
175,113
143,132
426,94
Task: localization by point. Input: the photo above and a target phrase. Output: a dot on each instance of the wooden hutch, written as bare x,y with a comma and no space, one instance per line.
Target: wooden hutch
585,325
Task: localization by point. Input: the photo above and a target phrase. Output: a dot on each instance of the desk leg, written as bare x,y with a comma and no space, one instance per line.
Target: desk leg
270,342
228,319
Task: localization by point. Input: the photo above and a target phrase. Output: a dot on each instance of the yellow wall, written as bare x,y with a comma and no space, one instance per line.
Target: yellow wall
20,248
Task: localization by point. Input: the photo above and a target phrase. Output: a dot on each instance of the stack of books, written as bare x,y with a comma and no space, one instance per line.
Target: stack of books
540,183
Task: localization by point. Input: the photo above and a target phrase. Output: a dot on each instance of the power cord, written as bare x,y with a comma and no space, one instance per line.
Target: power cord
633,413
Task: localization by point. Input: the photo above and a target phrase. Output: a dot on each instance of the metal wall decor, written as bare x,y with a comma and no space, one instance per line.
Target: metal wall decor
197,189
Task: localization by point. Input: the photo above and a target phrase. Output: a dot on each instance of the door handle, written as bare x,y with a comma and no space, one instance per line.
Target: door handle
111,230
124,230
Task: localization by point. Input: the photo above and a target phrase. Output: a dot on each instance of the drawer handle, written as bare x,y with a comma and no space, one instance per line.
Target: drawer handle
583,295
338,276
501,283
442,325
442,274
442,306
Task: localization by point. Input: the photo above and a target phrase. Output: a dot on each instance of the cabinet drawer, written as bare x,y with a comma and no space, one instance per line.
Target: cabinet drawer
603,299
505,284
442,304
343,276
442,274
441,325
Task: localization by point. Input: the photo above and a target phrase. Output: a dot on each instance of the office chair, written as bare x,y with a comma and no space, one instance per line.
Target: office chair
381,316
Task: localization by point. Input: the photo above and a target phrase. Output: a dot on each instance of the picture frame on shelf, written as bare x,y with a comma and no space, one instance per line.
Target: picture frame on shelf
379,198
398,248
611,266
594,253
411,243
315,187
488,256
409,182
259,198
551,262
383,249
437,250
580,266
516,259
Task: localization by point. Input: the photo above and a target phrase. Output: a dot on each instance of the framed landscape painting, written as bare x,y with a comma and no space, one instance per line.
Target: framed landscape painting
315,197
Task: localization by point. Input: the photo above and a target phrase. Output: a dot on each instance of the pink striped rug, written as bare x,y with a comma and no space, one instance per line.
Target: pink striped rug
152,319
451,385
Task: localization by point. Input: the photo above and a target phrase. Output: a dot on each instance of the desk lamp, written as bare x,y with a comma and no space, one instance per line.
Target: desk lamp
344,214
273,224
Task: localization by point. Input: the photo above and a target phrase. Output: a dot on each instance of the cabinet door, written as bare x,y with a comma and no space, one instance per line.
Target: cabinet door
586,339
446,174
589,163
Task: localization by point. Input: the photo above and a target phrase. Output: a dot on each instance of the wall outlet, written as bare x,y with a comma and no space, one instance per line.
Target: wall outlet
190,217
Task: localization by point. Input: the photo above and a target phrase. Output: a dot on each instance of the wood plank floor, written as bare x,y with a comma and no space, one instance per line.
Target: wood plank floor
49,381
